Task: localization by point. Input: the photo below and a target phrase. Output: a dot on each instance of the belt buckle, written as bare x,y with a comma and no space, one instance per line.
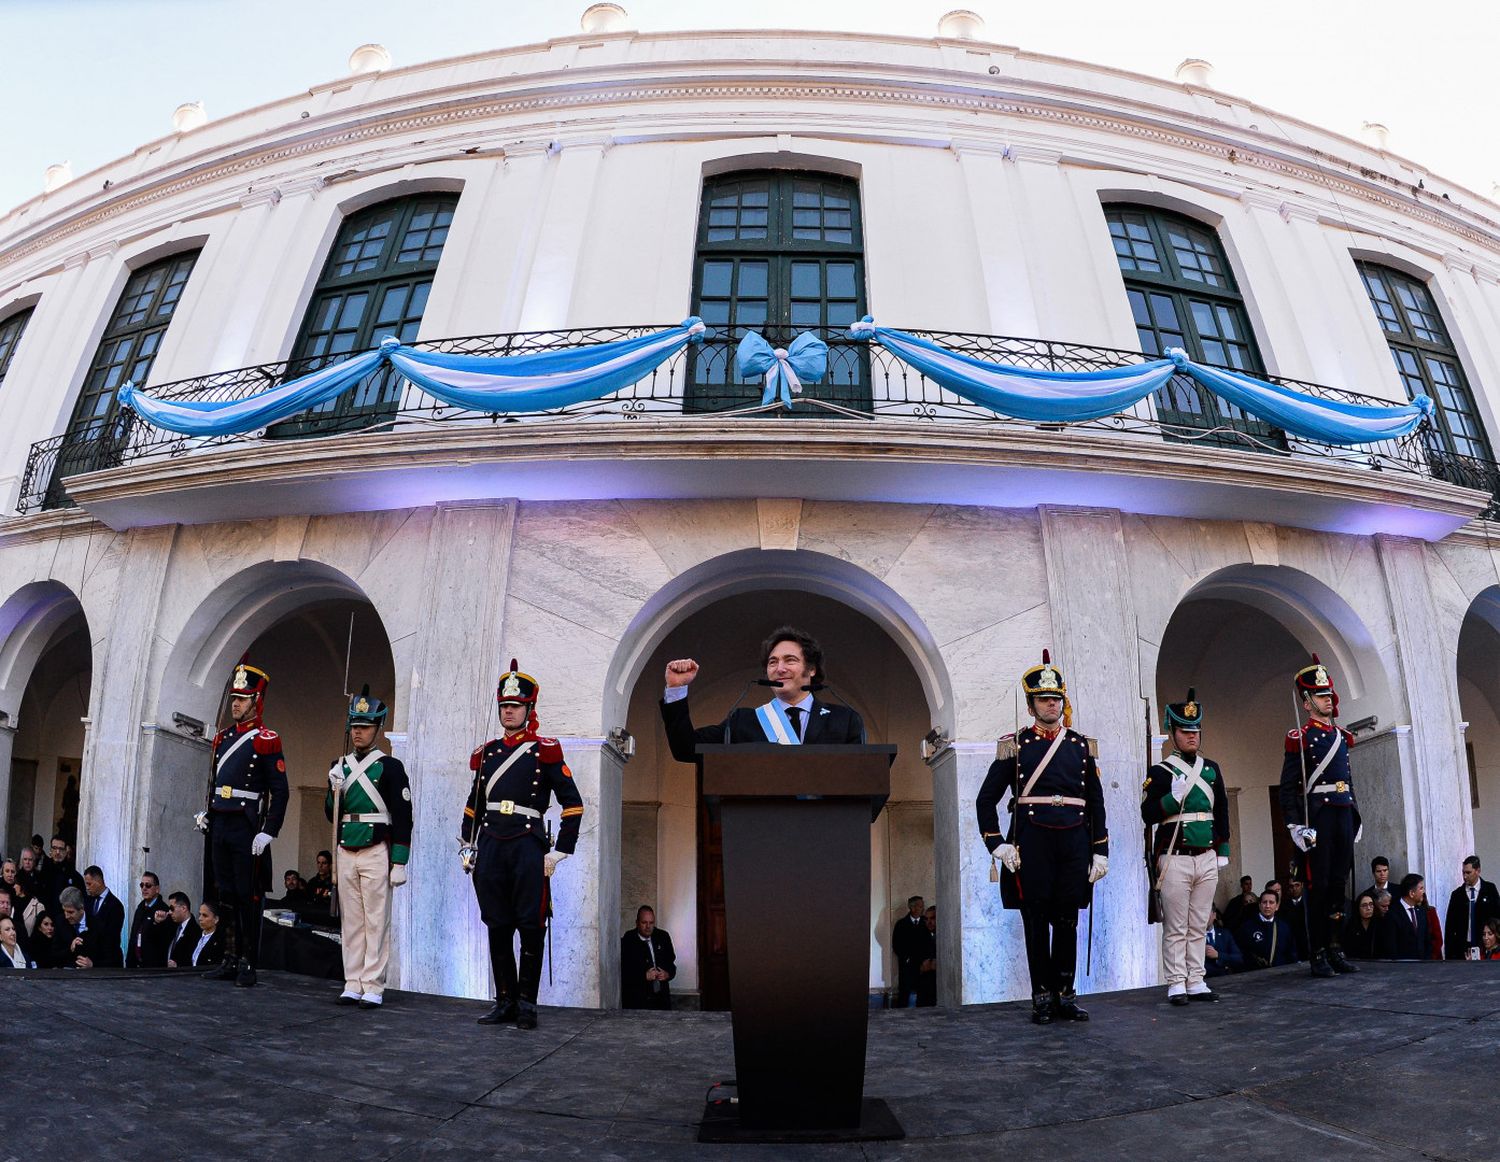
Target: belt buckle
226,792
1341,786
1057,800
507,807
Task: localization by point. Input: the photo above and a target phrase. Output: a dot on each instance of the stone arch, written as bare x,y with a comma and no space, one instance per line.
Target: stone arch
1477,677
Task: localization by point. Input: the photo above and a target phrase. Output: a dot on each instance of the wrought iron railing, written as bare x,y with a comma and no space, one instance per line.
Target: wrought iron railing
864,381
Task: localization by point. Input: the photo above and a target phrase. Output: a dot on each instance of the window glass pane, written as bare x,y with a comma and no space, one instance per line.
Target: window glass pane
753,279
807,315
716,277
806,280
840,276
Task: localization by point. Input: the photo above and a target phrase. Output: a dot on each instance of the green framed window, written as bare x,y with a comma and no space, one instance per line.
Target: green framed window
374,284
1426,360
1182,293
778,252
11,329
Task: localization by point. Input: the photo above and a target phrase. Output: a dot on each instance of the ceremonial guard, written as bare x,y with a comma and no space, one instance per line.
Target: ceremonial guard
370,796
1057,844
1319,807
247,798
506,846
1185,802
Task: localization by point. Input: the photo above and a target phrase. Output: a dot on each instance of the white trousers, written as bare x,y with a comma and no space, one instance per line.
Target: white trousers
364,877
1187,897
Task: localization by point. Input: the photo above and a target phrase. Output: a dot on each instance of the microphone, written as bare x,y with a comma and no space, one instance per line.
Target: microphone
814,687
741,698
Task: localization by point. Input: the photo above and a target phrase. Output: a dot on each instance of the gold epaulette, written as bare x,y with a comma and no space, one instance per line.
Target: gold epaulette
1005,748
1093,744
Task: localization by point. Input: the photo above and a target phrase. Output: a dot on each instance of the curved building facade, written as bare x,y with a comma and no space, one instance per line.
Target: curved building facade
1016,207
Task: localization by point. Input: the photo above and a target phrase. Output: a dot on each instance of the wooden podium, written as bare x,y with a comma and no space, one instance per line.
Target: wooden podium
796,841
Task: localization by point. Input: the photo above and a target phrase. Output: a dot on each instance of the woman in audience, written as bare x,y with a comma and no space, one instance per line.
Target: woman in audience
209,950
1362,933
1489,939
11,955
44,949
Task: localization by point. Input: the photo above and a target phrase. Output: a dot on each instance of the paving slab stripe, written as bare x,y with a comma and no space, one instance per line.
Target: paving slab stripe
1344,1133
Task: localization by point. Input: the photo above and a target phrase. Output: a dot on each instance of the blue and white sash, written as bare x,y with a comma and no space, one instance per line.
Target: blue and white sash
775,723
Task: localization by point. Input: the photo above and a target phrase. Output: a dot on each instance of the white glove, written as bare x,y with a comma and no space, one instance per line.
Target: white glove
1303,837
1222,861
1179,786
1010,856
468,856
1099,868
1358,831
398,874
551,860
335,778
260,842
200,821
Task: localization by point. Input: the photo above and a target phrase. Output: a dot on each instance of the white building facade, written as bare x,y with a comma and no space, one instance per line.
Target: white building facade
1023,208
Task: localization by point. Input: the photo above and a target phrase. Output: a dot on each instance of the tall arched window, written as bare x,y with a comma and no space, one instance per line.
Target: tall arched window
374,284
779,253
1182,294
10,339
96,432
1427,363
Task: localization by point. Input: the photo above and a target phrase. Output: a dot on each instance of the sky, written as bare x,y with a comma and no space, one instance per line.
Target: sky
87,81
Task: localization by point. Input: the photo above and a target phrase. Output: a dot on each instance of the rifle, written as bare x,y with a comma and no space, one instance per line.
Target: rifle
1153,892
338,792
547,912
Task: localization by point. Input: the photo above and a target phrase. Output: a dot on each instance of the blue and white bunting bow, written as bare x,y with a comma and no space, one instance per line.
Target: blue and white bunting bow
785,368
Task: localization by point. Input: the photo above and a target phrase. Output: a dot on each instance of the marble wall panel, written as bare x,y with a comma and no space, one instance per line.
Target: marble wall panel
684,533
872,536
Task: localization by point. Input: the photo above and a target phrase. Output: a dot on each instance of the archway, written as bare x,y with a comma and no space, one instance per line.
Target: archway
292,619
1479,706
879,658
46,664
1237,638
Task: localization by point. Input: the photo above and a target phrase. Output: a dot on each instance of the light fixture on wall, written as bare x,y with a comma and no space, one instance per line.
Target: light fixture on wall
188,724
1363,725
934,743
621,741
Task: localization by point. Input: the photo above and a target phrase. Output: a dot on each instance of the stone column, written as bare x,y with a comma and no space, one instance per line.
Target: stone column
438,942
7,745
1094,631
172,791
952,839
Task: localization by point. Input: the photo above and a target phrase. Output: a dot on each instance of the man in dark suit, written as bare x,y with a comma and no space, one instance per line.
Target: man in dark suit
1380,868
106,920
794,667
182,931
1471,904
1221,955
1294,912
927,960
57,873
1265,938
1415,933
647,964
906,939
149,933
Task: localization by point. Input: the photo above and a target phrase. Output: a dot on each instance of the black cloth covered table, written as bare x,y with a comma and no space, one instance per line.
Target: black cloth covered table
300,950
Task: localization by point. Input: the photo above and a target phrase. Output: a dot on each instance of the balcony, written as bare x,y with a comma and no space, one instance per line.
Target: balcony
870,407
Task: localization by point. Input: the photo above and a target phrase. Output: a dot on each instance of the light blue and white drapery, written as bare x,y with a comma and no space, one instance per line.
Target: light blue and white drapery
534,382
1062,397
785,368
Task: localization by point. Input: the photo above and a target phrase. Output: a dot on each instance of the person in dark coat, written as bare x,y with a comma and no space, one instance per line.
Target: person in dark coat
205,947
1415,931
182,931
149,932
1057,844
794,667
1472,903
58,873
647,964
1265,939
905,936
46,947
1221,953
106,920
927,960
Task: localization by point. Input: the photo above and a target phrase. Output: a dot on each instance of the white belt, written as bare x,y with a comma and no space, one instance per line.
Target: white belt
1051,801
1337,788
377,817
1191,817
510,807
235,793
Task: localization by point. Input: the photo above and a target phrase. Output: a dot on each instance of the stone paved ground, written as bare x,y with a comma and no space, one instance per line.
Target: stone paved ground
1399,1062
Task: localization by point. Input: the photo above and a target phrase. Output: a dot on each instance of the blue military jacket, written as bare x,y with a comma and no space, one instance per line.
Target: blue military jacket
1069,785
1305,750
523,770
248,764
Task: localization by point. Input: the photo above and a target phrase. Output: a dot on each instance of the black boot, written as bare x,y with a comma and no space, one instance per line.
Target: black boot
1066,1006
1338,961
503,1013
1041,1008
227,970
245,978
526,1018
1320,965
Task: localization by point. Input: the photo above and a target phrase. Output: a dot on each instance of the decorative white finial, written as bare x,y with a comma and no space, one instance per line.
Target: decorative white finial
961,24
603,18
1375,134
57,176
369,58
189,116
1194,71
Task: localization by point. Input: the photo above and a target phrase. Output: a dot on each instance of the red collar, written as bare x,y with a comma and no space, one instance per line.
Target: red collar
1041,732
1318,722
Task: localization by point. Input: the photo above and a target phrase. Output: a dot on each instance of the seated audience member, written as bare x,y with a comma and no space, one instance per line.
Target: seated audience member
1380,868
146,946
1415,931
46,949
927,960
1222,955
106,920
8,912
26,895
294,893
321,887
1265,939
1361,936
1294,911
1489,939
11,954
183,931
1242,907
8,870
647,964
1383,902
73,935
209,949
